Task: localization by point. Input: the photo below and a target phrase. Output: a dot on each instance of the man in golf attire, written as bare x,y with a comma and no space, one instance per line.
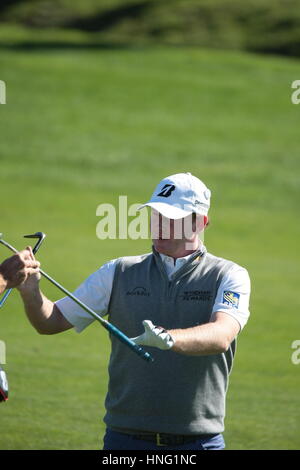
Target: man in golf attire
201,302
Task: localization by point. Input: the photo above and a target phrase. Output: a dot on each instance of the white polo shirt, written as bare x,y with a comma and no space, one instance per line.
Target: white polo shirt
95,291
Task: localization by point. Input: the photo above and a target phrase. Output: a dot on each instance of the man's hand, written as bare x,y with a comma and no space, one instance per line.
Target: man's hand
18,268
154,336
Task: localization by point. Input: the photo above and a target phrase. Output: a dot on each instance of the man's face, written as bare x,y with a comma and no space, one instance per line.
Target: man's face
169,234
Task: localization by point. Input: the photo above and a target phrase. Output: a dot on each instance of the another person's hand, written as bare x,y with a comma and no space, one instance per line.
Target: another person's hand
3,386
155,336
17,269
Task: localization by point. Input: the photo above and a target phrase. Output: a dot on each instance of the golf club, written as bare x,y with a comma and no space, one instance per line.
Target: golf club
108,326
41,236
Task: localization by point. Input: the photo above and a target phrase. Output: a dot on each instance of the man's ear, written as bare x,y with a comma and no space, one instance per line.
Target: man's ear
199,222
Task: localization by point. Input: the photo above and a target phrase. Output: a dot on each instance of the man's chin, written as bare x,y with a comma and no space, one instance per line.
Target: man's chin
161,245
168,247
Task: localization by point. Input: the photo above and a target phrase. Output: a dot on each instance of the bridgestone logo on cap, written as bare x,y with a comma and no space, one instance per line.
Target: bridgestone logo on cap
166,190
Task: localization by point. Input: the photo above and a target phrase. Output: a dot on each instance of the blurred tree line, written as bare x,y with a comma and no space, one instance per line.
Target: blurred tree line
268,26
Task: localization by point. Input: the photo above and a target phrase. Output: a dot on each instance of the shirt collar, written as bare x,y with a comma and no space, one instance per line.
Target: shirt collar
169,260
179,261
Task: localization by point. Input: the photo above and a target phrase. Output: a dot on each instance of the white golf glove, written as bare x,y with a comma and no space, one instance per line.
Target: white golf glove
154,336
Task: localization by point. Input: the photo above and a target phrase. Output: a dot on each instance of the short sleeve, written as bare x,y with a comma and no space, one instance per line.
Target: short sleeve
95,292
233,295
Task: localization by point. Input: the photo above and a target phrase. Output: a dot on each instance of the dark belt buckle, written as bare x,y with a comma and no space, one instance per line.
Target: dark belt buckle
158,441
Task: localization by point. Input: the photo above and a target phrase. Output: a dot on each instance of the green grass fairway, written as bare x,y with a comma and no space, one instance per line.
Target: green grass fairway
84,125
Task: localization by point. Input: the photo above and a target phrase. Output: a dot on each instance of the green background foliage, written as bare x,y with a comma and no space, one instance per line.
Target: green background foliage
271,26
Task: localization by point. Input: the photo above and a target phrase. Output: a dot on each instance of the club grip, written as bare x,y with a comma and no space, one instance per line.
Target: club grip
131,344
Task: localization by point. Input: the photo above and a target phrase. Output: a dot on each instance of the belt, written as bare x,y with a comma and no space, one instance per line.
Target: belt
162,439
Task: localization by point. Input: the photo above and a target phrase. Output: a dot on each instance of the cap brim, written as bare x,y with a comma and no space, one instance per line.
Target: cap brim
171,212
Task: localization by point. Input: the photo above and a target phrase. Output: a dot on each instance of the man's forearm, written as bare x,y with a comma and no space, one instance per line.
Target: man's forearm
199,340
39,310
206,339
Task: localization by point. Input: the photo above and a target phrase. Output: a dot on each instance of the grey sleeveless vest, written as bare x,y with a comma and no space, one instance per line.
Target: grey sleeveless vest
176,393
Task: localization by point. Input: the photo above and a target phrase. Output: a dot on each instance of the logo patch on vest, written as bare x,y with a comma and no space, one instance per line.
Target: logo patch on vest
203,295
140,291
231,298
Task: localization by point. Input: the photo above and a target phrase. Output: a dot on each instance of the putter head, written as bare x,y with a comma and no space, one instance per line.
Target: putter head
40,236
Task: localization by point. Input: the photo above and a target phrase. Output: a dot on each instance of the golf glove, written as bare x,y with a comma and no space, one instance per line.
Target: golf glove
3,386
154,336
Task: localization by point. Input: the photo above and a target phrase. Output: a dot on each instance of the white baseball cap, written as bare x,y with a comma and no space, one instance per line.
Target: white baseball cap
179,195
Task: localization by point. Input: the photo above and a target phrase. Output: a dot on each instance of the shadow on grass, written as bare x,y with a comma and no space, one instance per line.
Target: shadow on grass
60,45
36,46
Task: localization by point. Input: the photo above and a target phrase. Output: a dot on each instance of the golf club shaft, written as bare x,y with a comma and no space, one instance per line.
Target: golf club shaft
108,326
3,300
7,293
